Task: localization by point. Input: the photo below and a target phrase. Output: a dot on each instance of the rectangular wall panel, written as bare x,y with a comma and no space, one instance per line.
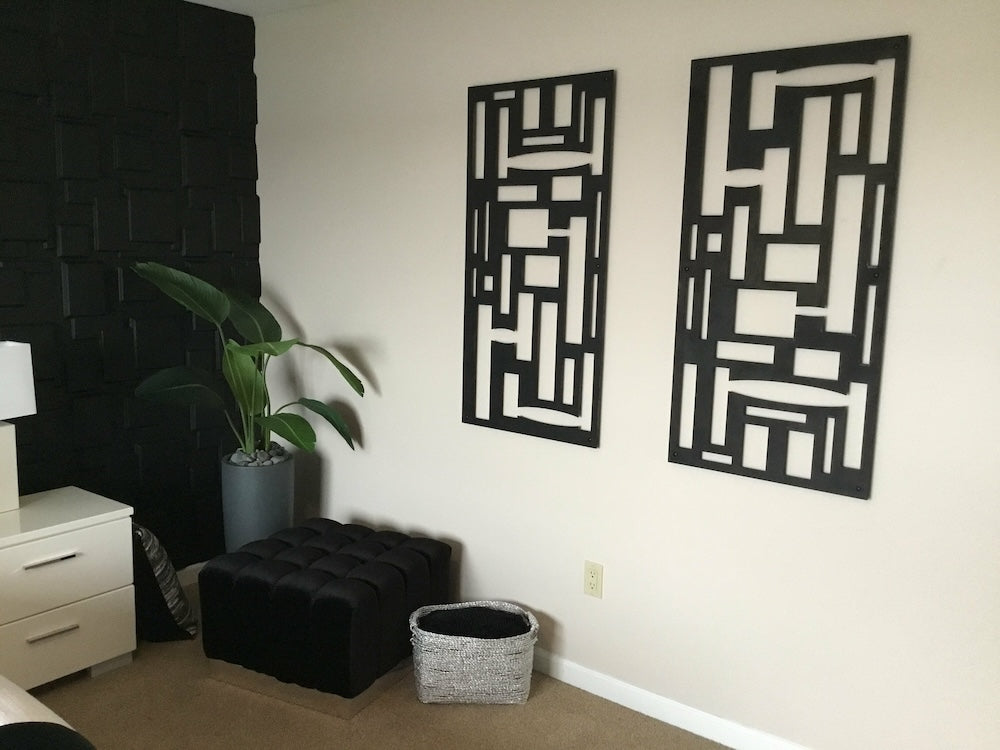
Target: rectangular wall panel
786,245
538,202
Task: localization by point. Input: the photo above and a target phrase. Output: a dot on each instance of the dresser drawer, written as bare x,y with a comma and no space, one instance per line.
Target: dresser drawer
39,649
55,570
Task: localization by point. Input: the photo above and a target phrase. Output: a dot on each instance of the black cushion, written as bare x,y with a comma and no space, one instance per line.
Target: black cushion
162,611
474,622
41,735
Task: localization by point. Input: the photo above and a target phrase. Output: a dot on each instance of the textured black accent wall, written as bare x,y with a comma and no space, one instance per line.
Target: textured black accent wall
126,133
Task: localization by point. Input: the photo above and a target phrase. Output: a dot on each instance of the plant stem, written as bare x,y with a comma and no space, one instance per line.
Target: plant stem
265,433
236,433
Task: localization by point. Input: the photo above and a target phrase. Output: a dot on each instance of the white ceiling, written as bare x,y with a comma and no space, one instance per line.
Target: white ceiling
258,7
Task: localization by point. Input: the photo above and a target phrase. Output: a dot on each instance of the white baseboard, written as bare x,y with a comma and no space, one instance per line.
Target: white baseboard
714,728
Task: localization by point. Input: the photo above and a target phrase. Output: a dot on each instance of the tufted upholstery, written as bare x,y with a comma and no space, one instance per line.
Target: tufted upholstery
324,605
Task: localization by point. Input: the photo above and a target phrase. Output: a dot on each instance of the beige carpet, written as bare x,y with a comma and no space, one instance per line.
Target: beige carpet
172,698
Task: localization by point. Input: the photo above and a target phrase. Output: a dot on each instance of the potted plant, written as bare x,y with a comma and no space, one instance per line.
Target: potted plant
257,478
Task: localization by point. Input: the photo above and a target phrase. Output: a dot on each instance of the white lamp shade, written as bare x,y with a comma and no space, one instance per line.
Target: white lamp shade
17,384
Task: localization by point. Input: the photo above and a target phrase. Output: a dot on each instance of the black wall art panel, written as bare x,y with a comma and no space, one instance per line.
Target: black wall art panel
786,248
539,198
126,134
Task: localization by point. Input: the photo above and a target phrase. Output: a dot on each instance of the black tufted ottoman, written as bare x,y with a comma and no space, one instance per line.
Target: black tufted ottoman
324,605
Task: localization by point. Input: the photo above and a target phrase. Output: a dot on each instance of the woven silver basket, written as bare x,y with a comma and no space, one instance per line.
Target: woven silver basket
464,669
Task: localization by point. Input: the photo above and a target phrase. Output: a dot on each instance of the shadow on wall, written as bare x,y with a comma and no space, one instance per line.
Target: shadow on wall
548,629
309,466
352,353
308,485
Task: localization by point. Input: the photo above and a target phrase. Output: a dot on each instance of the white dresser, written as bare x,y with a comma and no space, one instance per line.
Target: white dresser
66,597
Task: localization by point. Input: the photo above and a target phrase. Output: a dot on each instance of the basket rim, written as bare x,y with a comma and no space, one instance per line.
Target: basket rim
500,605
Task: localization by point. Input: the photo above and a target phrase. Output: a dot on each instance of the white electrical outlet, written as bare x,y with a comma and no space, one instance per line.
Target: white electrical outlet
593,579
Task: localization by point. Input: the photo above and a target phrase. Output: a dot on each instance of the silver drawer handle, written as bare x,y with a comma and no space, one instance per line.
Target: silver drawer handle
49,560
52,633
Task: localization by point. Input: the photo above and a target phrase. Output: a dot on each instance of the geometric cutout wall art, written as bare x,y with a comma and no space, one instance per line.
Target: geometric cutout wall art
537,209
785,255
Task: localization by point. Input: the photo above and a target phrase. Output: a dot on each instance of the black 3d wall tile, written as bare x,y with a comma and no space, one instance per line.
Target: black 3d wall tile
75,240
78,149
26,211
152,215
83,291
126,134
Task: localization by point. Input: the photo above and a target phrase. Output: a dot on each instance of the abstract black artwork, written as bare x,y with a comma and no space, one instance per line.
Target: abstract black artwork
789,207
538,201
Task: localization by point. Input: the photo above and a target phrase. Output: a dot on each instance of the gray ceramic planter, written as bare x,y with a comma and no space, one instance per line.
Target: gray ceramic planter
256,501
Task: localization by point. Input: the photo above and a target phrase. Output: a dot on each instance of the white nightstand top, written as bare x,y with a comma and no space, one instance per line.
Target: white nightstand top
55,512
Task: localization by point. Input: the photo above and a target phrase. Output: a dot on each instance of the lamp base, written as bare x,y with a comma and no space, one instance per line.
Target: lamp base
9,497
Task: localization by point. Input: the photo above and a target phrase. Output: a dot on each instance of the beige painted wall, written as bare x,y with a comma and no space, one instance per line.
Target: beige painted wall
830,622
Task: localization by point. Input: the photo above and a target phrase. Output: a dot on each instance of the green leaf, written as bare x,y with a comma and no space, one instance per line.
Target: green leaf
293,428
252,320
272,348
181,385
331,416
245,380
345,371
198,296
